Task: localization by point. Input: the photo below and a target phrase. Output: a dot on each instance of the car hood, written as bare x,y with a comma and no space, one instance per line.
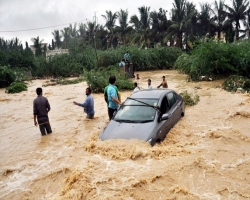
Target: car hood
122,130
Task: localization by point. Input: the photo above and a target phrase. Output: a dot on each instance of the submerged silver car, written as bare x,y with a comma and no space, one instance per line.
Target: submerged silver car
146,115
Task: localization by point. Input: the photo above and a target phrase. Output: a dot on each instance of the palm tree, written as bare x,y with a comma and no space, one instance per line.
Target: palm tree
142,27
144,17
219,17
73,31
57,37
237,13
37,45
124,28
190,23
247,25
110,24
175,31
66,37
134,20
205,24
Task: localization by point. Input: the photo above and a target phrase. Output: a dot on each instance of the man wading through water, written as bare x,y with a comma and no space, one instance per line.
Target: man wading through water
41,108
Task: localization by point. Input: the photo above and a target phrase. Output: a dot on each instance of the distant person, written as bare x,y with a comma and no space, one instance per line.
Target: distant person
149,84
136,88
127,57
164,83
122,63
41,107
137,77
88,105
113,102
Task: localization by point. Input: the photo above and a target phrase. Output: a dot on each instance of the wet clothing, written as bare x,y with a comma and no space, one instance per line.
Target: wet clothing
136,89
122,64
106,93
112,93
112,106
41,107
150,87
88,106
127,57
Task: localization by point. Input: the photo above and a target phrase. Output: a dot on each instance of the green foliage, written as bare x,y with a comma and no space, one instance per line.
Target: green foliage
236,83
98,79
62,81
189,99
16,87
142,59
7,76
213,58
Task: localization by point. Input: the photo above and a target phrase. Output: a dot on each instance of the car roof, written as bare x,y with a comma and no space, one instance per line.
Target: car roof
150,93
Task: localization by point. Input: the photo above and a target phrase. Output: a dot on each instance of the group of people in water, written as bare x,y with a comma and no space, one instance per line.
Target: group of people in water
112,96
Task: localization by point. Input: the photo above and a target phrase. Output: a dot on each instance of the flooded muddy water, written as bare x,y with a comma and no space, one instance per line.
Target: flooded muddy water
205,156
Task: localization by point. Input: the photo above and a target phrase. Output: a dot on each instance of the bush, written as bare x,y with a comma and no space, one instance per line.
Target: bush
98,79
7,76
190,100
214,58
16,87
234,83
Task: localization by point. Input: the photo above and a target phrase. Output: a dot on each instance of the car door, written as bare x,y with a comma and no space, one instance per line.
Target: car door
174,107
166,124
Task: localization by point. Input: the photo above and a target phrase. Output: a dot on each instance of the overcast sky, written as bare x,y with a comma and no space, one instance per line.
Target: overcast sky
17,15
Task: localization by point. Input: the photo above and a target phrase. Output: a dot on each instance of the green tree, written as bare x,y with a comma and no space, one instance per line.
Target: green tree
37,43
175,31
110,25
238,13
219,17
57,38
123,27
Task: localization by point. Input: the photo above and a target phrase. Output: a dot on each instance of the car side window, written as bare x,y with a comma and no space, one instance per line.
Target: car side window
164,105
171,98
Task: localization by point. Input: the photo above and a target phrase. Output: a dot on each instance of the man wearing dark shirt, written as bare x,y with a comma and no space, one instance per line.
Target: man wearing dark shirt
41,108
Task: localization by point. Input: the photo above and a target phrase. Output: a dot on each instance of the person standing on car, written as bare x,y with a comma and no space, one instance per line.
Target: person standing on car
113,102
41,107
164,83
88,105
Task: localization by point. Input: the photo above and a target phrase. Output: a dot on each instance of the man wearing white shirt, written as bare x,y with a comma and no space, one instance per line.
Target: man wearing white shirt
135,87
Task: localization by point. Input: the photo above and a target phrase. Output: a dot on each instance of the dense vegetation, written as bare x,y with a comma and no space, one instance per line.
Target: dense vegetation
213,59
189,41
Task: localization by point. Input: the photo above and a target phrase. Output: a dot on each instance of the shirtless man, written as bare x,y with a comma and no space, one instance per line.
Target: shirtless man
164,83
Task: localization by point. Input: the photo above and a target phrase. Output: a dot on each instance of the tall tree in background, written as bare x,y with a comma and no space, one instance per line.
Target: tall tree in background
66,37
238,13
175,31
37,45
159,24
189,26
142,32
247,24
110,24
219,18
57,38
205,24
123,27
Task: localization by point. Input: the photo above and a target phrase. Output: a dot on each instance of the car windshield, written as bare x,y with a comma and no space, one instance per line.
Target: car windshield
137,111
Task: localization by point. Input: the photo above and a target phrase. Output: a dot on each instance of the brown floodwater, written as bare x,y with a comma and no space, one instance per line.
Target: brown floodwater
205,156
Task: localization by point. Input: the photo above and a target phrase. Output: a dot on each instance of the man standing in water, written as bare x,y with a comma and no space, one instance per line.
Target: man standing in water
149,84
88,105
41,107
164,83
113,101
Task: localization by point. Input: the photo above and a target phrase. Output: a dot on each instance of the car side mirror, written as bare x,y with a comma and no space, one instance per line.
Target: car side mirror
164,117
